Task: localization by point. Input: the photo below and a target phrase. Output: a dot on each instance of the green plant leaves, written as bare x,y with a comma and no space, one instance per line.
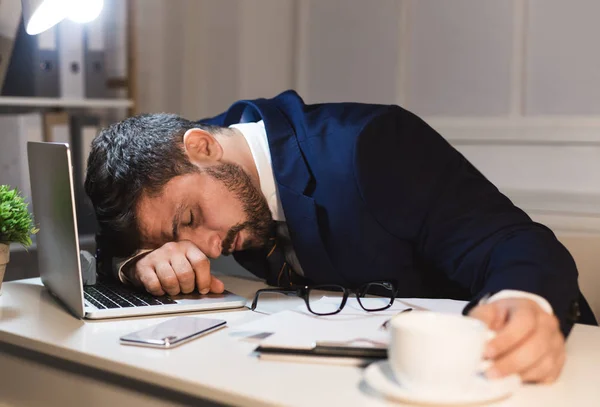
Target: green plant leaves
16,223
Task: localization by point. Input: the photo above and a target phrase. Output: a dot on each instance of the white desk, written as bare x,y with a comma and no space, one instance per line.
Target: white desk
48,357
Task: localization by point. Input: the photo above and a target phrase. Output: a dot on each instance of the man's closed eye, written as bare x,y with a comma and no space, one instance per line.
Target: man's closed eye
191,222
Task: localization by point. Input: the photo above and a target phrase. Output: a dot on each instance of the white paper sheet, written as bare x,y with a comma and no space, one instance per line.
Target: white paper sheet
301,329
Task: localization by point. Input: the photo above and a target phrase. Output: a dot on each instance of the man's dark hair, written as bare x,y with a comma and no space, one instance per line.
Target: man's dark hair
137,155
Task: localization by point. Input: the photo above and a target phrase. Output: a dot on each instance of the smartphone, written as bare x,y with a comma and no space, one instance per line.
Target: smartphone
172,333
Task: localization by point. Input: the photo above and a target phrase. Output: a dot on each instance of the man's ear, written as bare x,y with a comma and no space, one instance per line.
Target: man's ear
201,146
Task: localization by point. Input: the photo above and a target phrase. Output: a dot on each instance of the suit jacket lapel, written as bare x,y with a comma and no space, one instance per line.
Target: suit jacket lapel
292,176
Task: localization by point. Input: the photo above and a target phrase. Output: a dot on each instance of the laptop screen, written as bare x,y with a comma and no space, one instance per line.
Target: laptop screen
53,199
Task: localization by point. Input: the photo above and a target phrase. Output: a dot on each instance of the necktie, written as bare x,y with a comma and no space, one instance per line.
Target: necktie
281,273
269,262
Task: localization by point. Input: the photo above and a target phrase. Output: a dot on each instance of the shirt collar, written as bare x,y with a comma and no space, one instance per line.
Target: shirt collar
256,137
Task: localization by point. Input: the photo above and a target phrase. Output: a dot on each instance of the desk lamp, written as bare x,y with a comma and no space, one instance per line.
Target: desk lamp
40,15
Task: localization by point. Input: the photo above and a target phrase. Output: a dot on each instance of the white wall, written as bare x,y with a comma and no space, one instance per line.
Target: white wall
458,54
562,66
348,51
196,57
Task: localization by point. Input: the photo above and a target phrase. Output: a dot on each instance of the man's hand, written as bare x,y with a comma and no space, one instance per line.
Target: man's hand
176,267
528,340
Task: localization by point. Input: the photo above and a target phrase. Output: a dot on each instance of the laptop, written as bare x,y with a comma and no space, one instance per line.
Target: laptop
53,199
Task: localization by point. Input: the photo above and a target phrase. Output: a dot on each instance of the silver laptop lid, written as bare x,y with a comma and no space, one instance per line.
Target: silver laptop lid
53,199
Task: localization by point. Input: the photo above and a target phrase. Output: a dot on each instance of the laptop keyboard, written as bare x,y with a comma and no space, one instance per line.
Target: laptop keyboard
108,295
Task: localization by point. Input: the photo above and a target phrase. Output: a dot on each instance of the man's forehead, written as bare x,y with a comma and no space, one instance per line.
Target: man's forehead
153,213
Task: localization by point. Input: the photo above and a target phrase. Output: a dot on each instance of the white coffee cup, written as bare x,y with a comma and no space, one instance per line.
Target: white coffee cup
432,350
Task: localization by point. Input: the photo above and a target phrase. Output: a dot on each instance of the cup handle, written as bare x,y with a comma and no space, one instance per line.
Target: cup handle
486,364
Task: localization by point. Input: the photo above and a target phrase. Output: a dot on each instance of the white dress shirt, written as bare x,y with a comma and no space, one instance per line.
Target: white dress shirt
256,137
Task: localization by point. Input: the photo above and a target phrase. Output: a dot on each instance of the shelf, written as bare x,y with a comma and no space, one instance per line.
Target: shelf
60,102
84,240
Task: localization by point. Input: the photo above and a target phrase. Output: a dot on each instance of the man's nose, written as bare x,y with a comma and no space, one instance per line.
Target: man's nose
208,241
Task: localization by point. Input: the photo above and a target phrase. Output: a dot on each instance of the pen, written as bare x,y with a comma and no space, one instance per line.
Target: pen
387,322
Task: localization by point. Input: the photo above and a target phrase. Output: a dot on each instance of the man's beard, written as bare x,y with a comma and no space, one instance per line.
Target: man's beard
260,220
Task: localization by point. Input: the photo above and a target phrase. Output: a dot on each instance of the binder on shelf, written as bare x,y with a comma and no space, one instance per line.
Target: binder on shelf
83,130
70,51
10,15
33,67
15,131
95,64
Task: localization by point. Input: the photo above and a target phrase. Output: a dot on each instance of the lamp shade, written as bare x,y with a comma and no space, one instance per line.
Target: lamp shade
40,15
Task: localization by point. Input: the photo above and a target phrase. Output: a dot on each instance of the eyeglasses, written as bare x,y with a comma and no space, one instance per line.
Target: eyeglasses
374,296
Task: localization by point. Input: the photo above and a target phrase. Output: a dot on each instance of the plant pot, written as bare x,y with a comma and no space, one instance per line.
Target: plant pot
4,256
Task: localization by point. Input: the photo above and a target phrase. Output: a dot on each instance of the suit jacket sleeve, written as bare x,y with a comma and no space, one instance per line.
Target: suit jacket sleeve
420,188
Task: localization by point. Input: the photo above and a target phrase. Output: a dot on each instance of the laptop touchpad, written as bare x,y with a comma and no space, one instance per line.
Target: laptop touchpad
196,296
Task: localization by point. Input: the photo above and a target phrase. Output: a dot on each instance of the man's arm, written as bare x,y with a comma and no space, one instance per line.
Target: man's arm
419,188
460,223
121,265
175,267
112,264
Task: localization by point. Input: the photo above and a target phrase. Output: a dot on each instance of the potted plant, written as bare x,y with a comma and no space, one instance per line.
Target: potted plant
16,224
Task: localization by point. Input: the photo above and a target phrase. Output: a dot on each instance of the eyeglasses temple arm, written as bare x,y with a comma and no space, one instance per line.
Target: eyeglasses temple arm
283,291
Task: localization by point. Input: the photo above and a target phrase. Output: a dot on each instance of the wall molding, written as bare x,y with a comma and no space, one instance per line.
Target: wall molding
556,202
568,225
565,213
539,130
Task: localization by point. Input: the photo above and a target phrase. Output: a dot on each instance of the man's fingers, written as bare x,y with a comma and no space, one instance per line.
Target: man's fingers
485,313
216,285
493,315
501,318
147,277
201,266
176,267
541,370
558,366
167,277
530,352
528,340
185,273
521,324
549,367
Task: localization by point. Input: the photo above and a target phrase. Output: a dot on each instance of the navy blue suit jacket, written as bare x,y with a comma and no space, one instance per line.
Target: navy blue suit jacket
372,192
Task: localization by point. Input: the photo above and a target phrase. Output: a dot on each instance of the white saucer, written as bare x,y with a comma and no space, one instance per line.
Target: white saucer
380,377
